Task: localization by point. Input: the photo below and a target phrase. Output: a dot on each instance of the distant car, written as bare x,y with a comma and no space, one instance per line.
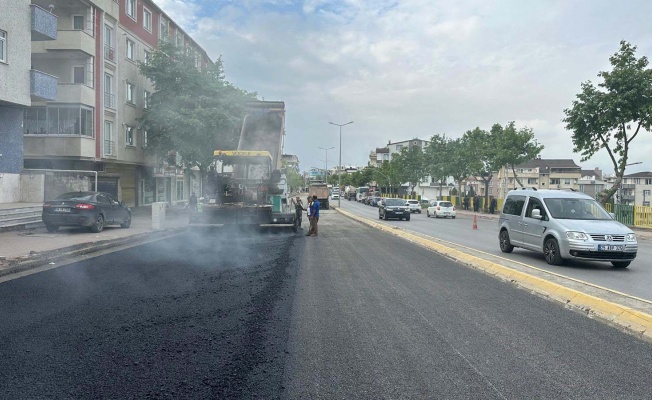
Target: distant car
440,208
374,201
393,208
564,225
335,196
94,210
414,206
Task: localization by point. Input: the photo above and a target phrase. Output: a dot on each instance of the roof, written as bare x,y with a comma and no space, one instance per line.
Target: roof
646,174
550,163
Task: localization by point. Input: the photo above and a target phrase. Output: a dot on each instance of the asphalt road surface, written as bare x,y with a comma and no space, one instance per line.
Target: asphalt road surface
635,280
353,313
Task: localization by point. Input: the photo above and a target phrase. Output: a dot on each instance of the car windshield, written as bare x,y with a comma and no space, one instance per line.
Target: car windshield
394,202
574,208
446,204
75,196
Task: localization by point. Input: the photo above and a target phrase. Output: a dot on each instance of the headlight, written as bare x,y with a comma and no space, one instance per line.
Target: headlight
631,237
576,236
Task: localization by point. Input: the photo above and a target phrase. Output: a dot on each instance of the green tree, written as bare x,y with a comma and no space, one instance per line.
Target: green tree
515,146
460,157
611,115
486,154
410,165
437,163
191,112
294,179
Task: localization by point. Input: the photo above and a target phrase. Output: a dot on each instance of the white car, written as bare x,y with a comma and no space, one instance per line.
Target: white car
441,208
335,196
413,206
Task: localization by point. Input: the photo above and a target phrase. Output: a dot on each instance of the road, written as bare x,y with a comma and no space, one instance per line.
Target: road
353,313
634,280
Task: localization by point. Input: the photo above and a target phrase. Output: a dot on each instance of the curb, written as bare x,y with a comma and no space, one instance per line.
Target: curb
629,319
65,253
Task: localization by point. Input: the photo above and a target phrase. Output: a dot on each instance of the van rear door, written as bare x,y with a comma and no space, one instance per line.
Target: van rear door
512,217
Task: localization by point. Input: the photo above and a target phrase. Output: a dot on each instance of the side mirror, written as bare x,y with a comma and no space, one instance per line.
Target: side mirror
536,213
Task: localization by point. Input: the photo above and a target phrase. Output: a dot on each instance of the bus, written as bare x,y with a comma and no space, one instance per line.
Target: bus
361,193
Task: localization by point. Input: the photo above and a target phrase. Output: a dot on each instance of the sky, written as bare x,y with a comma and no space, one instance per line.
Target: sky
414,68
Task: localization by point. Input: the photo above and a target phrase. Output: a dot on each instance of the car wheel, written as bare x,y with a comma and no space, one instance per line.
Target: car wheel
436,216
551,252
427,214
453,217
51,228
505,245
98,225
127,221
621,264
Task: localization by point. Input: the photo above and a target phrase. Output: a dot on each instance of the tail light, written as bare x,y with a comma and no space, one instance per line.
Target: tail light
84,206
438,208
453,208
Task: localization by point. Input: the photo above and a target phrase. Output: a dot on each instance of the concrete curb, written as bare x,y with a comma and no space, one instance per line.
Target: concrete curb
629,319
67,253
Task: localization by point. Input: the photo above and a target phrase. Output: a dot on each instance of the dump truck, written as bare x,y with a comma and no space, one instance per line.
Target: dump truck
247,186
321,190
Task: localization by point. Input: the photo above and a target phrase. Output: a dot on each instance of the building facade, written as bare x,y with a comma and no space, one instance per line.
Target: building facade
636,189
20,84
92,124
556,174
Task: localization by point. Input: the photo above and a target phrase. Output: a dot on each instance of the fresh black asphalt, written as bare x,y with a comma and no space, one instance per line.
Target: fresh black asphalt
353,313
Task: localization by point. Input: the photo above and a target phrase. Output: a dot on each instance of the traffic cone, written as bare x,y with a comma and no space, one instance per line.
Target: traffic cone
475,222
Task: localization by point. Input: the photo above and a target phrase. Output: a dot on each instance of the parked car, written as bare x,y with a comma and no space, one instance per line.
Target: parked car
564,225
393,208
94,210
414,206
441,208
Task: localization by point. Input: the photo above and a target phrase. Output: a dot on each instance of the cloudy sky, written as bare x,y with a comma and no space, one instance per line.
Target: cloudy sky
402,69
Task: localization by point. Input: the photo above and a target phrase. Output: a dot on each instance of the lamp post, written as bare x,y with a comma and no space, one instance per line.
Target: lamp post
339,174
326,165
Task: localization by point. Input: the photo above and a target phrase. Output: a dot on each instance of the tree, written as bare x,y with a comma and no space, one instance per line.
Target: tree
437,163
486,154
611,115
410,166
190,112
294,179
515,147
460,157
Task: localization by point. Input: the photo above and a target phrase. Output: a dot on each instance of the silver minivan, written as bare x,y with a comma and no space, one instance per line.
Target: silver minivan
564,225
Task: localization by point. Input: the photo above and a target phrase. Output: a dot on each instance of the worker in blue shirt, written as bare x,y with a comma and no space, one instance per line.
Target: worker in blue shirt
314,216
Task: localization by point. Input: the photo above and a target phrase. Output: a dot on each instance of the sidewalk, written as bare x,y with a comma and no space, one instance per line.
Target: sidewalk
20,250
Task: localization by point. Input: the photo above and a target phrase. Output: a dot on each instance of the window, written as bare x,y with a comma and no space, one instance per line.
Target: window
535,204
78,22
646,193
144,138
109,97
129,135
532,181
109,146
637,181
164,32
146,95
514,205
567,181
148,57
3,46
130,8
179,38
131,49
147,20
399,147
79,74
71,119
130,92
179,190
555,181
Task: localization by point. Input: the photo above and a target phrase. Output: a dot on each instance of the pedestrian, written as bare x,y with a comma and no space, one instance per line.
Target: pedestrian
314,216
298,209
192,203
492,205
466,203
476,203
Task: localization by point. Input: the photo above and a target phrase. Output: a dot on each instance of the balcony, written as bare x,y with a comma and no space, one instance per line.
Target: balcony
109,100
42,86
76,93
628,186
44,24
61,146
67,40
109,53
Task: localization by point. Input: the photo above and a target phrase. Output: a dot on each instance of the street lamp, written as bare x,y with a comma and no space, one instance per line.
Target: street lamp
326,165
339,174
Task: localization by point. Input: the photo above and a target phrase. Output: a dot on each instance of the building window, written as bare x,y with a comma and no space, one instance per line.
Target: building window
79,74
130,92
179,38
148,57
567,181
144,138
532,181
109,145
78,22
130,8
179,190
146,95
131,49
399,147
637,181
555,181
147,20
109,51
164,32
648,181
3,46
129,135
71,119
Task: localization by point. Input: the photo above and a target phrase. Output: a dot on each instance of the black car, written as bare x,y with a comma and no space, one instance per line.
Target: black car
393,208
94,210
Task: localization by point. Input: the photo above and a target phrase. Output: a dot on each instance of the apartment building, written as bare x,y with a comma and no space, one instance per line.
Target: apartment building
92,124
539,173
20,84
636,189
592,182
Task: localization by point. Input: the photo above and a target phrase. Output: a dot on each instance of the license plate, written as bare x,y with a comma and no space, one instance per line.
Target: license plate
609,247
63,210
398,212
